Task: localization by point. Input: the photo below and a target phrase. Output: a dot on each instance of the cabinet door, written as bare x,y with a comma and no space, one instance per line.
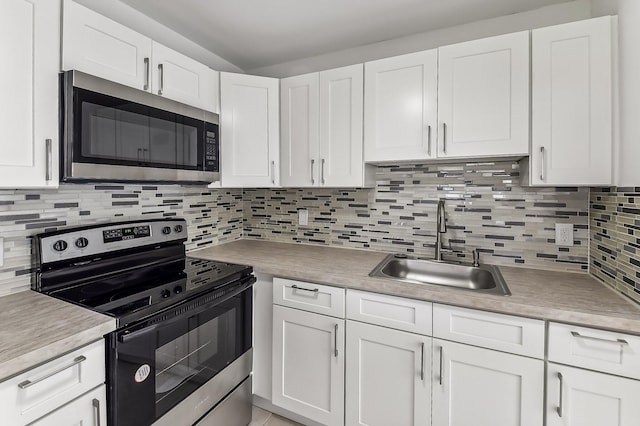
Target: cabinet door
572,104
388,380
88,409
400,108
249,131
29,42
183,79
578,397
97,45
341,98
308,365
299,156
475,386
483,97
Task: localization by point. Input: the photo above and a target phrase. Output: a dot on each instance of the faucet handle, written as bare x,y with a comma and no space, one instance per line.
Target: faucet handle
476,257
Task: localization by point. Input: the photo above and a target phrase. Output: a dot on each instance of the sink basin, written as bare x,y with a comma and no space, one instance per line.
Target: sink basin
484,278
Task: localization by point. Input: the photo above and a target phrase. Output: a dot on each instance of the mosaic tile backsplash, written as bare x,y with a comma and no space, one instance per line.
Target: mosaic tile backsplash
615,238
486,209
213,216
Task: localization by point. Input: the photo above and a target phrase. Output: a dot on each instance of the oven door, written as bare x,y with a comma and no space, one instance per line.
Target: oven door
156,364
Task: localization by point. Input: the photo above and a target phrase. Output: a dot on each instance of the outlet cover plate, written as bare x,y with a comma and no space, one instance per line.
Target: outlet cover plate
564,234
303,217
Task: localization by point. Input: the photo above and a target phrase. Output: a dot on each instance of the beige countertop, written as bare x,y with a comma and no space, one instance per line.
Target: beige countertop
35,328
556,296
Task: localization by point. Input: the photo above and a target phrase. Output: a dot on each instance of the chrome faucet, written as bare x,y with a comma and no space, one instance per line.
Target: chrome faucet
441,228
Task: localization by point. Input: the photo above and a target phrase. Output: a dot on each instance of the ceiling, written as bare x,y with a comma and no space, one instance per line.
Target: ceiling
257,33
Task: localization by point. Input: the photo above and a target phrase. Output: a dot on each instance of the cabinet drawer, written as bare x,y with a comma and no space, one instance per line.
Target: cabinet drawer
521,336
615,353
36,392
389,311
310,297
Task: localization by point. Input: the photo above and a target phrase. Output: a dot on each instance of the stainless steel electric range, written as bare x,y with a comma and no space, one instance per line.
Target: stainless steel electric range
181,353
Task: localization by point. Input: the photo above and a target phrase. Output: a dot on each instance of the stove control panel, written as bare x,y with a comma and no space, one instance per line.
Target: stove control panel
99,239
127,233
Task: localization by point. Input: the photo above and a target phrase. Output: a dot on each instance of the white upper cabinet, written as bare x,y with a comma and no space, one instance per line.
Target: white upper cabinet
30,45
483,97
183,79
321,122
299,150
97,45
401,107
249,130
341,99
572,98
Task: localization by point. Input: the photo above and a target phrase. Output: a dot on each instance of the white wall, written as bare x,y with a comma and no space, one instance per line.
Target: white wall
550,15
134,19
628,12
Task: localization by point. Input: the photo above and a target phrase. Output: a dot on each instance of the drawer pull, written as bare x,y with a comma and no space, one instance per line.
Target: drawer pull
313,290
28,383
599,339
560,378
335,340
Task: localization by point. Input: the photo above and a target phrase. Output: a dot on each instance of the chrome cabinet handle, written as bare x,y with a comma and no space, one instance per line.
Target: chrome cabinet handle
322,171
161,69
29,383
429,140
313,162
273,172
147,70
599,339
422,361
441,369
335,340
313,290
542,163
444,138
560,399
49,166
96,411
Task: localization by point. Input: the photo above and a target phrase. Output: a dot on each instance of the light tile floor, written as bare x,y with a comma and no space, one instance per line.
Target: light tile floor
262,417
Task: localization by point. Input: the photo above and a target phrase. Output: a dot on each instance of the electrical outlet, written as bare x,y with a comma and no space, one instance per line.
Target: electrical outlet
303,217
564,234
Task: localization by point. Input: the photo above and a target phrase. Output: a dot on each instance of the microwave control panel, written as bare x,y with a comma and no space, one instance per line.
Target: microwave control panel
211,151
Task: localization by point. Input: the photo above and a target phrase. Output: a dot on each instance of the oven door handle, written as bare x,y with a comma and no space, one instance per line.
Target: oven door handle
124,338
246,283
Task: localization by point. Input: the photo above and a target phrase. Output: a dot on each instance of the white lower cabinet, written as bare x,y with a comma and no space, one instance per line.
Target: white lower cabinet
476,386
577,397
308,364
88,410
388,376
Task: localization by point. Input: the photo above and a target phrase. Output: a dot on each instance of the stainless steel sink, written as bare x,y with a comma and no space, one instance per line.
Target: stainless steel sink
483,278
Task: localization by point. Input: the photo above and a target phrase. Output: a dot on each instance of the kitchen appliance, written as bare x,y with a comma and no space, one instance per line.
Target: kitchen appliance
182,348
112,132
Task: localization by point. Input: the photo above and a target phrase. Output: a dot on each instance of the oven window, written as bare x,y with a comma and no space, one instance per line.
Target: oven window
200,353
119,132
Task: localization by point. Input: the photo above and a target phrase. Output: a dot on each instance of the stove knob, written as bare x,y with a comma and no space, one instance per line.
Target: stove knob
177,289
178,228
166,230
60,245
82,242
165,294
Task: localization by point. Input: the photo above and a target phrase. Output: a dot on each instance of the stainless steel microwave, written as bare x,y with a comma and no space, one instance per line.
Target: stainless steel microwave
116,133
